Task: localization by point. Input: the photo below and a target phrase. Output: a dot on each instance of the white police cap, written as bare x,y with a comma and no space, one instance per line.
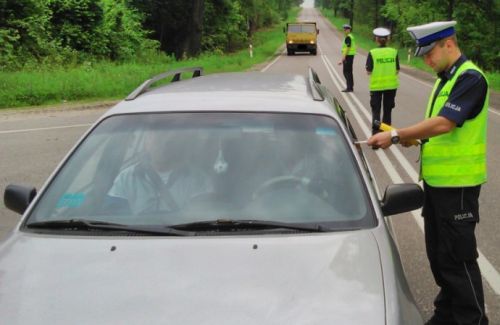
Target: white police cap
427,35
381,32
347,26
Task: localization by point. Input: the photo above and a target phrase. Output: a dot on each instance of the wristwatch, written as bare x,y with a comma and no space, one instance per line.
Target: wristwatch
395,136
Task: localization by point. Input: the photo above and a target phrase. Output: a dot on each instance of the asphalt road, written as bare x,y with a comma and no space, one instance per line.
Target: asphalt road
33,143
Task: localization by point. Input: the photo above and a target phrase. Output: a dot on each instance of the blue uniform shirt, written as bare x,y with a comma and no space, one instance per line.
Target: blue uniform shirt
467,96
347,41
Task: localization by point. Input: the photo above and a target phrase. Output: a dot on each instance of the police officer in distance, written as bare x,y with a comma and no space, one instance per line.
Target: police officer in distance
348,52
382,65
453,167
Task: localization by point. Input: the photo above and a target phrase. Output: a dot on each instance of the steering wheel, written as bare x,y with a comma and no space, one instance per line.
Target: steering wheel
280,181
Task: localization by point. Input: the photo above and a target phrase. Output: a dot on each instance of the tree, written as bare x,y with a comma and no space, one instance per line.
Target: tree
23,26
186,27
477,24
224,28
75,23
123,35
477,33
192,42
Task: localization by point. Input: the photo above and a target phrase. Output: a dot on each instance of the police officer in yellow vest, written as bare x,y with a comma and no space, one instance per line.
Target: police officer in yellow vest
348,52
382,65
453,167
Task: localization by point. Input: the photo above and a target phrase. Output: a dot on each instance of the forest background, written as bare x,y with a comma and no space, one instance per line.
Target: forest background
54,51
478,25
79,50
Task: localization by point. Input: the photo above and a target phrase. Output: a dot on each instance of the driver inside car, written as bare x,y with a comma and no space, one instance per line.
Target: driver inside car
304,160
163,180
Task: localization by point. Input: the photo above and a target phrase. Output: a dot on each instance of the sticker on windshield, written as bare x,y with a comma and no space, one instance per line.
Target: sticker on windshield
71,200
257,129
325,131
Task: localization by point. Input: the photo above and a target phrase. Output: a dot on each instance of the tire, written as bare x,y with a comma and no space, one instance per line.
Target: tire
313,52
290,52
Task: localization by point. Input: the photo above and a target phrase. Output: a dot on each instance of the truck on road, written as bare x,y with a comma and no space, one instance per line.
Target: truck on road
301,37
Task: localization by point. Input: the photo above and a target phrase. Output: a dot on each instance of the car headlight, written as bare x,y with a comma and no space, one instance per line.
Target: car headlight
290,42
312,42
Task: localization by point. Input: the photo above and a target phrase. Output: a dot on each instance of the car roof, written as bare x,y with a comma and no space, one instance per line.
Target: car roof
242,91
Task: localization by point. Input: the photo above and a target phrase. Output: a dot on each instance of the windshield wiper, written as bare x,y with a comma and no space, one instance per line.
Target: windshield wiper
82,224
230,224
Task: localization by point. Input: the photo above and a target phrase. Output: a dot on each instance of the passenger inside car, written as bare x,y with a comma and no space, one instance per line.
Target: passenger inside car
162,180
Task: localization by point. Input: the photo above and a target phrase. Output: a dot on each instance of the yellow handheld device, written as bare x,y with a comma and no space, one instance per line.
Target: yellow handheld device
386,127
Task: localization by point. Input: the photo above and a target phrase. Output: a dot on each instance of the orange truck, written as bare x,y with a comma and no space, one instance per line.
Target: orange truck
301,37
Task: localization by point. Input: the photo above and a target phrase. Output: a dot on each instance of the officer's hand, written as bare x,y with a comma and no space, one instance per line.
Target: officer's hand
381,140
340,62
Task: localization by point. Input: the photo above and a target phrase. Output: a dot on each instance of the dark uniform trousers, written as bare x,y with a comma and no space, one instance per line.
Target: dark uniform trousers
347,70
450,217
378,99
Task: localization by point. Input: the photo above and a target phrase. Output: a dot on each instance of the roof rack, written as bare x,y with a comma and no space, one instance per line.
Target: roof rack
315,83
197,71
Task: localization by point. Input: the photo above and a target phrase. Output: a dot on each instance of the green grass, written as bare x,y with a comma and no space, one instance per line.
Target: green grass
494,80
364,40
112,81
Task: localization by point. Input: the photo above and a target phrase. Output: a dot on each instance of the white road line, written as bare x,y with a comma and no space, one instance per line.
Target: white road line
272,62
493,111
401,158
487,269
366,131
45,129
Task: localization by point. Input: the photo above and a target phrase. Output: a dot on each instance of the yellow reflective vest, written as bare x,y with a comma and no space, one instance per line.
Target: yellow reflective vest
352,48
456,158
384,75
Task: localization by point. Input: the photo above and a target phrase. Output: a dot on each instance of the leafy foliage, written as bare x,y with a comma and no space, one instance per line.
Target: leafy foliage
69,32
74,22
22,31
185,28
72,32
224,26
124,36
477,28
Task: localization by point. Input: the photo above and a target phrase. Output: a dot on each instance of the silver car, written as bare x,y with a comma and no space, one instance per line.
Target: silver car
236,198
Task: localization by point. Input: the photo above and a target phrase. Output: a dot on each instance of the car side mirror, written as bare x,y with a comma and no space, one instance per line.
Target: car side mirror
284,29
18,197
399,198
317,31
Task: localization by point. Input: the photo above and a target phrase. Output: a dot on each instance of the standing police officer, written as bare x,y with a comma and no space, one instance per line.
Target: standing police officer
348,52
382,65
453,167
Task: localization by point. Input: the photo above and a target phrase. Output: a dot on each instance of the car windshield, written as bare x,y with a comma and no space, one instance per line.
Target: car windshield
178,168
305,28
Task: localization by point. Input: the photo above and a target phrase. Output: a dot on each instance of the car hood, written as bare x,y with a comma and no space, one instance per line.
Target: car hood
332,278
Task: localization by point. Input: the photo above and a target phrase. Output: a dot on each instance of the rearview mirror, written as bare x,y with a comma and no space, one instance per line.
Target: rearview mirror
399,198
18,197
